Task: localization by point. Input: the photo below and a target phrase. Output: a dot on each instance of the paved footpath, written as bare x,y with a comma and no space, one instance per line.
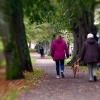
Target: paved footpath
62,89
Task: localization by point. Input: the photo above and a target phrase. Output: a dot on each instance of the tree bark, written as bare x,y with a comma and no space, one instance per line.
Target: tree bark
13,68
18,28
86,26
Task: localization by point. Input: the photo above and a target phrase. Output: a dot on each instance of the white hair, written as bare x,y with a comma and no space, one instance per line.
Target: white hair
90,35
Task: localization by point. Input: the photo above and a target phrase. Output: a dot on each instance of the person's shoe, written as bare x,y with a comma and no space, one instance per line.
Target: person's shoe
95,78
91,80
62,75
57,76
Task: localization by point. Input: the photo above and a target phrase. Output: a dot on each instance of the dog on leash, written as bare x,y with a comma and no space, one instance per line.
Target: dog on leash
75,67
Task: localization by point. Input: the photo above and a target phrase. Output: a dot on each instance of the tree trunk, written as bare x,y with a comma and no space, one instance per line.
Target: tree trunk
13,68
17,26
86,26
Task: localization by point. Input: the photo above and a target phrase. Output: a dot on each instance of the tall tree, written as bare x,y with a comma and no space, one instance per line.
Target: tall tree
18,29
13,68
80,20
75,16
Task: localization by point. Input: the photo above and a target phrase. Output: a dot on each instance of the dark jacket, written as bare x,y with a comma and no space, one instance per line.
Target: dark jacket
90,51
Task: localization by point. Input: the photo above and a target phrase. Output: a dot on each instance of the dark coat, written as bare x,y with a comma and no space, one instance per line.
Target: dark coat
41,50
90,51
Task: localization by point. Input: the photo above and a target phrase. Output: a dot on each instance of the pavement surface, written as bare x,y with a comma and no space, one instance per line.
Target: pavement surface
68,88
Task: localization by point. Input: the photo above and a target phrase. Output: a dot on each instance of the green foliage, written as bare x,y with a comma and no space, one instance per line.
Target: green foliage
2,60
37,10
74,10
38,32
68,60
1,46
41,11
12,95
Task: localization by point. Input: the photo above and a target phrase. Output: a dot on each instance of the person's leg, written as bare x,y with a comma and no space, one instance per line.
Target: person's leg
94,72
90,69
62,68
57,67
62,65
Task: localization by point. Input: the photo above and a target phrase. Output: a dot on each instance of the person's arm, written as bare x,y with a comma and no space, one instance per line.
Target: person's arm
52,49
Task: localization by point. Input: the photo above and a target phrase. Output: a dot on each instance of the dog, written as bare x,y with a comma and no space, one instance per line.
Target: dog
75,67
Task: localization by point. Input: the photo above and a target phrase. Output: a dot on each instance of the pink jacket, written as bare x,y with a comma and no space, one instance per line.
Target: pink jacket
59,49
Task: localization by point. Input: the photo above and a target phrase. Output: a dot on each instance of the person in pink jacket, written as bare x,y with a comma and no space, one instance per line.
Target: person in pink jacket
59,51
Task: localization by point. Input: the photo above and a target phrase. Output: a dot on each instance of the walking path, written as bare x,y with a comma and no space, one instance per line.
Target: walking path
62,89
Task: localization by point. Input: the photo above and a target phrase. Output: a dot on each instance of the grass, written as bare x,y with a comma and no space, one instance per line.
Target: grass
98,72
33,60
11,95
85,69
1,46
33,77
2,63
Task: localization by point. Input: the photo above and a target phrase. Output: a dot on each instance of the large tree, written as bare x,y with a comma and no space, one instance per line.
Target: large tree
13,68
14,39
75,16
79,16
18,29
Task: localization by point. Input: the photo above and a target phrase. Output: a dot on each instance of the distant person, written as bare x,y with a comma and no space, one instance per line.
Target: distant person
91,55
41,51
59,51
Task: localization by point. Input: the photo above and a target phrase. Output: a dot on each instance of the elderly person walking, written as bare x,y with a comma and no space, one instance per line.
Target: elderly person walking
91,55
59,50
